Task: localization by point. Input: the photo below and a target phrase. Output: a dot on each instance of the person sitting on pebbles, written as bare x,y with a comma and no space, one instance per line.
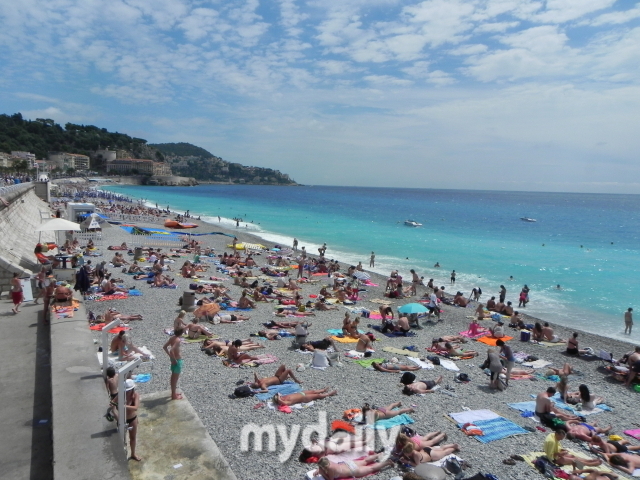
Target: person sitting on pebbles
195,331
244,301
278,378
365,344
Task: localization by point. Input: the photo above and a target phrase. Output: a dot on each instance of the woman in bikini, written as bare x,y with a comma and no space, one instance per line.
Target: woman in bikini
415,456
351,468
429,440
303,397
195,331
372,414
393,367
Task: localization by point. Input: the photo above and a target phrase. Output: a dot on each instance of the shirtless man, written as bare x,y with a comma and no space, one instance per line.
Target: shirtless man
323,344
172,348
545,409
491,304
460,300
634,366
508,309
112,314
195,331
611,446
351,468
421,387
112,389
586,432
322,306
278,378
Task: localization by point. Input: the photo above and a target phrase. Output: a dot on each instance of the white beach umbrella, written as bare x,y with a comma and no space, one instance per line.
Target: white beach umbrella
57,224
361,275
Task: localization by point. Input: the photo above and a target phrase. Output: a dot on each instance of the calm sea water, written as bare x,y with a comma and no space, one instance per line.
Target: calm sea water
587,243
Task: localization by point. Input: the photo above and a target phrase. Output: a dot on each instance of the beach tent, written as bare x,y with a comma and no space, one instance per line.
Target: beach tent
94,220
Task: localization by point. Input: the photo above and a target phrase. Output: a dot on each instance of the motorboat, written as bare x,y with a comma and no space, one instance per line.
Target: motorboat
412,223
527,219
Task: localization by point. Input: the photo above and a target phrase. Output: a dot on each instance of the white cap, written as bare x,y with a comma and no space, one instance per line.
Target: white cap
129,385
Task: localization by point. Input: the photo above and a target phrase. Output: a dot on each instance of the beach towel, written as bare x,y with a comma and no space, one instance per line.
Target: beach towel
366,362
344,339
236,309
142,378
354,354
338,331
266,359
473,416
449,365
481,333
135,293
537,364
398,420
421,364
114,330
497,429
524,406
375,316
106,298
633,433
283,389
551,344
492,341
399,351
531,457
570,408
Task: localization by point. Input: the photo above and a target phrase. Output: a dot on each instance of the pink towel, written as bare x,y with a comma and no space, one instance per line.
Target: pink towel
469,334
633,433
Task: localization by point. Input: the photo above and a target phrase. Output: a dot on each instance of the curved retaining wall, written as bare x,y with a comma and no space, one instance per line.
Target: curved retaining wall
18,237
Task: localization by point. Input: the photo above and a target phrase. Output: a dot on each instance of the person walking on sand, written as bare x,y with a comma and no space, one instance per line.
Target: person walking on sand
628,320
172,348
372,260
453,277
295,244
16,293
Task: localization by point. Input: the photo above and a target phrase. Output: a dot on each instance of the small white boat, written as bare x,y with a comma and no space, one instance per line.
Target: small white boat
412,223
527,219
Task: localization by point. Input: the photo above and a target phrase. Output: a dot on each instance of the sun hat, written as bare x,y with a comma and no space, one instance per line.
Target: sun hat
129,385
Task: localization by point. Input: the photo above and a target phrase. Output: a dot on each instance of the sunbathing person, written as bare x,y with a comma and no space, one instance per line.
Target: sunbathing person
62,293
303,397
547,334
134,268
573,347
627,462
351,468
372,414
273,334
591,474
195,331
556,454
282,374
452,339
244,301
179,321
364,343
610,446
332,446
259,297
323,344
415,456
281,312
352,328
459,353
390,367
584,431
159,280
228,318
112,314
210,343
124,347
427,386
322,306
546,411
233,352
429,440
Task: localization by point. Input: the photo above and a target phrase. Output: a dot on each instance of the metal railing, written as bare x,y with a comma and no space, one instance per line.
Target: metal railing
12,188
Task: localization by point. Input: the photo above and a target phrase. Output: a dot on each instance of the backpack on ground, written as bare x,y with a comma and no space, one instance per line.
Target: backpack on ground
407,378
243,392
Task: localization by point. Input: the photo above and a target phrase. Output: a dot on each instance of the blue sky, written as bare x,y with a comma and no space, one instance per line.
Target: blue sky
489,94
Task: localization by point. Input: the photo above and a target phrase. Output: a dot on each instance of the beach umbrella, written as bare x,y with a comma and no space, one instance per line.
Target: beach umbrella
361,275
413,308
208,309
57,224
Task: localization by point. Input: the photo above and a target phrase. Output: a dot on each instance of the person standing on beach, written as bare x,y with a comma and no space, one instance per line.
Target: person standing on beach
295,244
304,253
235,244
172,348
16,293
628,320
372,260
503,293
453,277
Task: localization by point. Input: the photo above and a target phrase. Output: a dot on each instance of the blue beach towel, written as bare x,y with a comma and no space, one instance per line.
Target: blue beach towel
236,309
497,429
135,292
338,331
285,389
142,378
524,406
403,419
570,408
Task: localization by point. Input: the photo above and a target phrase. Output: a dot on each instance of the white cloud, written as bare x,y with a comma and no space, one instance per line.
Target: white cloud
560,11
379,80
615,18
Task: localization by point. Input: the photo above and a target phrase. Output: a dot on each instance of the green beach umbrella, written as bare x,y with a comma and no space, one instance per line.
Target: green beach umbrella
413,308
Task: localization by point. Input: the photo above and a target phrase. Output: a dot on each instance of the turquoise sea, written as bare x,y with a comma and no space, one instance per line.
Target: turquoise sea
587,243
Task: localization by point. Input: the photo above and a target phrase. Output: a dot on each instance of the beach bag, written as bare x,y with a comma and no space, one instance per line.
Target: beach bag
434,359
525,336
430,472
243,392
452,466
407,378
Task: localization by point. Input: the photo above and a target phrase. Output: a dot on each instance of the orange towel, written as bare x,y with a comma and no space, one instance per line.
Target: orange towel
492,341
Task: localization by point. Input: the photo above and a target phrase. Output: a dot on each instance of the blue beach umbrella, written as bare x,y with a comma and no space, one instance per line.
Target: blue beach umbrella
413,308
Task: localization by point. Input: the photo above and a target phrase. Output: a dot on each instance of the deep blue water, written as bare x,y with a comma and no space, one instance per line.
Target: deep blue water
587,243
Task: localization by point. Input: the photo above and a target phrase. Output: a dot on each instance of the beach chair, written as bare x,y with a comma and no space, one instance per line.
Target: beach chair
606,358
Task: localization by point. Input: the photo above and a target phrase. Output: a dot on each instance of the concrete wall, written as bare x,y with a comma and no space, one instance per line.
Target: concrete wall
18,237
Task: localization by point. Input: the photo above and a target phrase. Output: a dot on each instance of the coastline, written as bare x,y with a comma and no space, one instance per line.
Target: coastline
208,384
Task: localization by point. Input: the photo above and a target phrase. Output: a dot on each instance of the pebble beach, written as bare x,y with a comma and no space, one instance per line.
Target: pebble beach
208,384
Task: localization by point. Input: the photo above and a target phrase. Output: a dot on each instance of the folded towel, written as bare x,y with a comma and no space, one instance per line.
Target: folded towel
421,364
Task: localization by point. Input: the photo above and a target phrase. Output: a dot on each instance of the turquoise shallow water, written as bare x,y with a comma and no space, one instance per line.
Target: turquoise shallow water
587,243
